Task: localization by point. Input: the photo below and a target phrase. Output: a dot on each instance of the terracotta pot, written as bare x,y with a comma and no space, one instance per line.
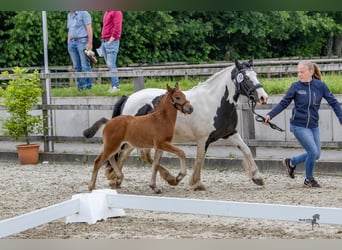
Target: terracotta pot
28,153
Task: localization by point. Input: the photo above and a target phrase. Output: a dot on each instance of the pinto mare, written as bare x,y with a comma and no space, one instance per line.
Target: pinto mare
214,117
154,130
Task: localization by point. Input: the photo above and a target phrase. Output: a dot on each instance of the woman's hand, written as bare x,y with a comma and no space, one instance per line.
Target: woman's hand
267,119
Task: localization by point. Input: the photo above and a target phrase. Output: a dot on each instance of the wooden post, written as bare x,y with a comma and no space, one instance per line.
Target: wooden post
71,79
138,83
248,124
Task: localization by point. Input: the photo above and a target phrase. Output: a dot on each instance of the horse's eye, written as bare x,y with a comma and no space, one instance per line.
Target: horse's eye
177,98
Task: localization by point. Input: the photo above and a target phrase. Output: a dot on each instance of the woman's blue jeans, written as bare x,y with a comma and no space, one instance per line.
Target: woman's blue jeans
80,61
110,52
309,138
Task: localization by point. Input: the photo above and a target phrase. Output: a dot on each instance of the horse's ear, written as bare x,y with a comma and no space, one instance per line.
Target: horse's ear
168,88
177,85
237,64
250,62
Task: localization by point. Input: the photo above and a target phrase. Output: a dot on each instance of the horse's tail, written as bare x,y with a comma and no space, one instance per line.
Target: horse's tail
90,132
119,105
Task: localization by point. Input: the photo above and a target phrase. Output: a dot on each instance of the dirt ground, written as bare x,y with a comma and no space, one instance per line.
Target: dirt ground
27,188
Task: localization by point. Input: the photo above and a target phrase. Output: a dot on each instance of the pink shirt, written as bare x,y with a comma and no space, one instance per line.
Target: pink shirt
112,24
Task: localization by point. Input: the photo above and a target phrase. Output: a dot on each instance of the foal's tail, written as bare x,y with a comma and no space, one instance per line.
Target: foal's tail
90,132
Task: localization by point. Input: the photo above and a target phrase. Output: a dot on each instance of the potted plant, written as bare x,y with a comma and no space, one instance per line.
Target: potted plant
22,93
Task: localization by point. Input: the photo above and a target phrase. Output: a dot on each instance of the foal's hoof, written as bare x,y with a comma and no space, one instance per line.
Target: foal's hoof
91,187
258,181
155,189
109,173
114,185
179,177
199,187
172,181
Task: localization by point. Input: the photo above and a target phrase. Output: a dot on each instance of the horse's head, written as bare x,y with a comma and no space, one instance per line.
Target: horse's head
179,100
247,83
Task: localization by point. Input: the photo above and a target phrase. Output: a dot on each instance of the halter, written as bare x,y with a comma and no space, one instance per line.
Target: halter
174,103
240,82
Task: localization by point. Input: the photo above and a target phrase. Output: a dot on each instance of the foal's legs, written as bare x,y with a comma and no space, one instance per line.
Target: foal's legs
156,163
99,161
145,154
157,156
108,151
122,155
249,163
181,155
117,173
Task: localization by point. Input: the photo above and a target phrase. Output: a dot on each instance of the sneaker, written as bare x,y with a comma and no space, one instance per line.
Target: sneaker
113,90
290,170
311,183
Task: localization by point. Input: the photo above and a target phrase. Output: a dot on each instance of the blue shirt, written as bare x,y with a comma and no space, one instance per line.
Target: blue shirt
307,99
77,24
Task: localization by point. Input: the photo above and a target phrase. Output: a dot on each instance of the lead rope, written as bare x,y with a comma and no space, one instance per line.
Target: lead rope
260,118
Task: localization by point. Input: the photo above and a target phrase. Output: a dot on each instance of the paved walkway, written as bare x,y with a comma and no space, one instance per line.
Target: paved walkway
214,151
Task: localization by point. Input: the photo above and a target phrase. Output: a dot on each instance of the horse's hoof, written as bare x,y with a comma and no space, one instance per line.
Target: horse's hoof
172,182
109,173
259,182
155,189
91,187
114,185
179,177
199,187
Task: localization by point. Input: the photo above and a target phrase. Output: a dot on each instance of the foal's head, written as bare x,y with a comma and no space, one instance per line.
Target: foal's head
179,100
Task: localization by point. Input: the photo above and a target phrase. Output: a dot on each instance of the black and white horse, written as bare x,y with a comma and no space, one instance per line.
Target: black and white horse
214,117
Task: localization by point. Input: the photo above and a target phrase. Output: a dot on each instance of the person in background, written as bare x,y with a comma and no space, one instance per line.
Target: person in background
111,34
307,94
80,38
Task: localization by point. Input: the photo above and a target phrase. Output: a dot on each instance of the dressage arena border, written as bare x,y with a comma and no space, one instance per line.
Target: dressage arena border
264,165
105,203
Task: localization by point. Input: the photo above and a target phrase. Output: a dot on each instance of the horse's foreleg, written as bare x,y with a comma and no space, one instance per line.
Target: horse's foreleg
181,155
157,156
116,182
145,154
195,178
248,161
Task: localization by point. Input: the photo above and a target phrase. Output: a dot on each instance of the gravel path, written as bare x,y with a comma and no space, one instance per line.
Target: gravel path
27,188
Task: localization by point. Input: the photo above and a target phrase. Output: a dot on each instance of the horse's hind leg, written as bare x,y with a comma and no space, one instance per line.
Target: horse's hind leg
145,154
120,158
115,182
97,165
249,163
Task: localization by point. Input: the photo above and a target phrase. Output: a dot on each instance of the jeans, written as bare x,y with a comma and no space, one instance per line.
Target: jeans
309,138
80,61
110,52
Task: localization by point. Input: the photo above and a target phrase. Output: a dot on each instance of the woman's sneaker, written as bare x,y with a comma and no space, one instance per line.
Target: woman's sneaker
289,170
311,183
113,90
